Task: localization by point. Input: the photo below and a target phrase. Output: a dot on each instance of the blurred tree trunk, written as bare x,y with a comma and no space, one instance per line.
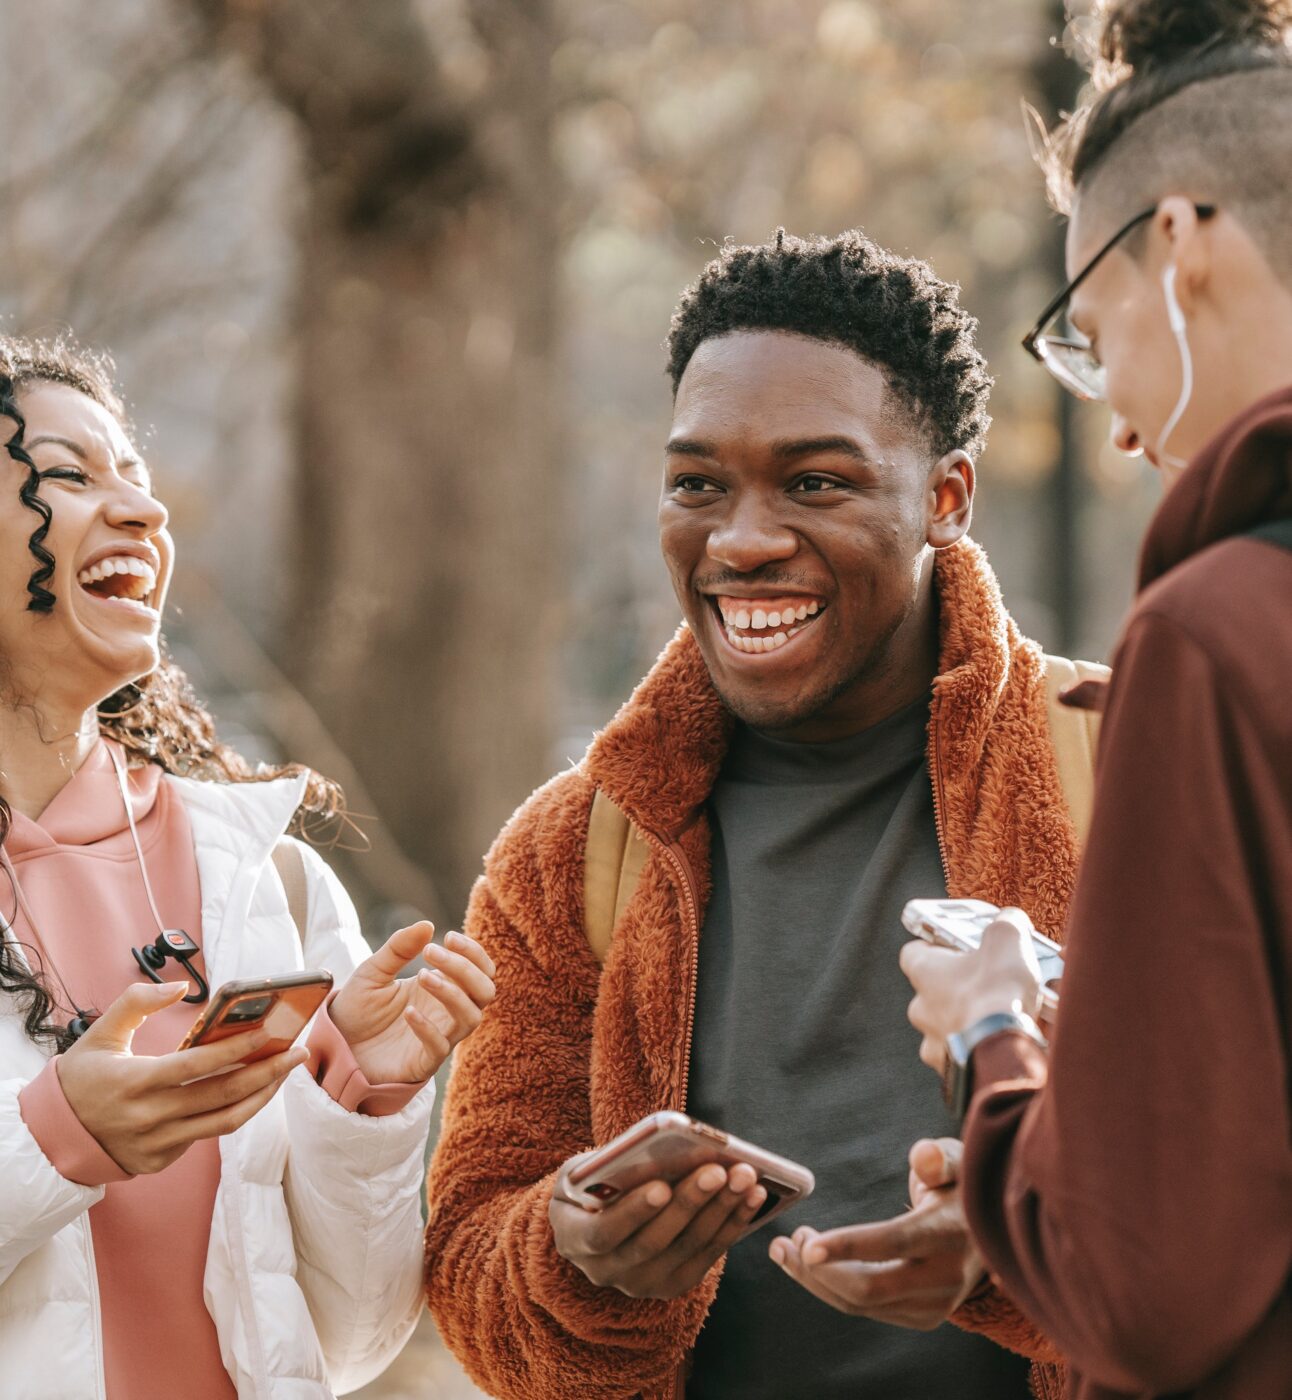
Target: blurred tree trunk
1056,80
427,496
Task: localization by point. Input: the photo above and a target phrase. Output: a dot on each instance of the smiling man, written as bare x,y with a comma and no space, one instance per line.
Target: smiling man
847,719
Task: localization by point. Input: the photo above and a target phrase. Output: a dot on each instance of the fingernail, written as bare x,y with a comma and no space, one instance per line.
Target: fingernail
455,936
711,1178
657,1194
814,1254
777,1251
435,978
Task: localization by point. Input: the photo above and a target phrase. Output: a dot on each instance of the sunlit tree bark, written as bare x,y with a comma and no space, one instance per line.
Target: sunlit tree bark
426,520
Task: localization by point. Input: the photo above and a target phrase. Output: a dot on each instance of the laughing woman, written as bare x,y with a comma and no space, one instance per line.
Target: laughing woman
252,1233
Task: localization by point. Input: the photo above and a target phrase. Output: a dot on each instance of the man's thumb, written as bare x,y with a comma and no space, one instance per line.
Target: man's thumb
116,1028
937,1162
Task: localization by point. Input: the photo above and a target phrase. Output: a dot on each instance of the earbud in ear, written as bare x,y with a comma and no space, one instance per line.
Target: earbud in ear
1174,315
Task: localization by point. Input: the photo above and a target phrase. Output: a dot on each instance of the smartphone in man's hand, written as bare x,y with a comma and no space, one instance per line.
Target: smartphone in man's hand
960,923
669,1146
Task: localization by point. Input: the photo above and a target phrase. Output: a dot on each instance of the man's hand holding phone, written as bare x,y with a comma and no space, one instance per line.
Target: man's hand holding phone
912,1271
146,1111
658,1240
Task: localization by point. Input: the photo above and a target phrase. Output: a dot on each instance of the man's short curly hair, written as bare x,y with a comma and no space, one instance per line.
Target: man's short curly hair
893,311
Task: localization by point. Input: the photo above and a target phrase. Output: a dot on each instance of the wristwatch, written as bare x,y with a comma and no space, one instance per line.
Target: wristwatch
957,1077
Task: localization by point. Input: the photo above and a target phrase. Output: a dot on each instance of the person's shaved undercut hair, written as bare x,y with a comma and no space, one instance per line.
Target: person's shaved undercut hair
1196,100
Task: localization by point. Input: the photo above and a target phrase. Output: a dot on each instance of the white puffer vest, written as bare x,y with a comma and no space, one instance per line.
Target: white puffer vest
313,1275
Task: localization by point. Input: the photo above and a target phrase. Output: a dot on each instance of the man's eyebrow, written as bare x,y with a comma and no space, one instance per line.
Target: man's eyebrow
689,447
73,447
790,448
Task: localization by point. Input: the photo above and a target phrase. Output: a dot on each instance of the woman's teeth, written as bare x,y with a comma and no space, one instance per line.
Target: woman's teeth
777,625
123,577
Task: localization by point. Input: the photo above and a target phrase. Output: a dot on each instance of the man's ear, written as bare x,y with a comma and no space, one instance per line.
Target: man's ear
950,499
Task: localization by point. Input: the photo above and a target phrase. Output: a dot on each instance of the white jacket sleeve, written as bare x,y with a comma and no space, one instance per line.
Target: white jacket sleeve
353,1184
37,1201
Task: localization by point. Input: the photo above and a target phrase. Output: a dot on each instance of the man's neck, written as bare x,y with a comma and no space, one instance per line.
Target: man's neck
40,752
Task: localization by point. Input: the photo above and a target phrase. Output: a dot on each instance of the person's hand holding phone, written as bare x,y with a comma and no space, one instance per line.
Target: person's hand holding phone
145,1111
912,1271
953,991
658,1241
401,1030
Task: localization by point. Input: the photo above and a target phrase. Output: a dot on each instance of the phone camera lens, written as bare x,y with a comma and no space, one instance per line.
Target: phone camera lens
252,1009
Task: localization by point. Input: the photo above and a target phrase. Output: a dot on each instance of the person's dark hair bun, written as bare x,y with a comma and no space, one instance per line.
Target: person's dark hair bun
1136,34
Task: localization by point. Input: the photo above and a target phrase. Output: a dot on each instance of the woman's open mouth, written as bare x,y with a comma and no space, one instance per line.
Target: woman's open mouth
758,625
122,579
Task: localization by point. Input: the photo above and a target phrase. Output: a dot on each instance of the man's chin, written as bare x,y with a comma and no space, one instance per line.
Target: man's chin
768,713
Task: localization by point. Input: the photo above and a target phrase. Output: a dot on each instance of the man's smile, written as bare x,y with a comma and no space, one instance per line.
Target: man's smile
755,626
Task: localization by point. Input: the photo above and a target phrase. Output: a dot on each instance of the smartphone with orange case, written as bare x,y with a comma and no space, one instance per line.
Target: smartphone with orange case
282,1006
669,1146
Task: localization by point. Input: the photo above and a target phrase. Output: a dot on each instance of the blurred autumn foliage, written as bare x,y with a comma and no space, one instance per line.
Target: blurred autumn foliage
388,284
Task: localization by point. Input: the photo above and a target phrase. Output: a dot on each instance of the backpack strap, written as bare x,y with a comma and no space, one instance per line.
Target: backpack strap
613,858
290,865
1074,734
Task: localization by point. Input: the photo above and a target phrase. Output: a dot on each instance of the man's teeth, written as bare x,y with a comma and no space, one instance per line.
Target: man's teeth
777,626
760,618
751,644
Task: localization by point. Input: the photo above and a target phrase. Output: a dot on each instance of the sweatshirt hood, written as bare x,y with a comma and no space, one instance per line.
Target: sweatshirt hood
88,808
1242,478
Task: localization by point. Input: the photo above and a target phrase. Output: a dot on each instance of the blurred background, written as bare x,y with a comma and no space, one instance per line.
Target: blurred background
387,284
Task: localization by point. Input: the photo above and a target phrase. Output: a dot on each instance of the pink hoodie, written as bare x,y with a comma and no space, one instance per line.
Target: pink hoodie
80,877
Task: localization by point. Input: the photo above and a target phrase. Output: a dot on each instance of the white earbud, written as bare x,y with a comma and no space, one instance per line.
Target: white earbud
1174,315
1180,329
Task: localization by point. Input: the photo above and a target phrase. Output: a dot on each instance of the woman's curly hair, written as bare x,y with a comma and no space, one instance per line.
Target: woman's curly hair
156,718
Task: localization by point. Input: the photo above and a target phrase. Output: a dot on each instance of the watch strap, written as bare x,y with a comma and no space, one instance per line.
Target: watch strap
957,1080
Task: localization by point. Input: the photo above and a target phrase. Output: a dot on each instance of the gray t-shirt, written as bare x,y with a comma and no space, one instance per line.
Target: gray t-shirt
802,1045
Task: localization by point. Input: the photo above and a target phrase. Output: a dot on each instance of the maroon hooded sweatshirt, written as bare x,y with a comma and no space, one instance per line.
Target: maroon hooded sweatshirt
1138,1205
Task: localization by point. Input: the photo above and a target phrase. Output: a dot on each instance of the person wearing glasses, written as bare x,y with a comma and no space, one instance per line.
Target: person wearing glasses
1132,1188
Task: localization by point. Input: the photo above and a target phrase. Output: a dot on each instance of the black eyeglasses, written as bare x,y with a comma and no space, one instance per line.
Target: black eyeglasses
1069,358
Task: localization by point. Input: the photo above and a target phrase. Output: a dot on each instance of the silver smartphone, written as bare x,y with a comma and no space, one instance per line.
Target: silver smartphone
959,924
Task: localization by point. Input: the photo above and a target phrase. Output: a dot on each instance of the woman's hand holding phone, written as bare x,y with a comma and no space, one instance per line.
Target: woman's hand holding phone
401,1030
657,1240
146,1111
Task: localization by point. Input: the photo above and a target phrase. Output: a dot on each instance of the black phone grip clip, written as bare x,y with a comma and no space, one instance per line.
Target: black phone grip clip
173,943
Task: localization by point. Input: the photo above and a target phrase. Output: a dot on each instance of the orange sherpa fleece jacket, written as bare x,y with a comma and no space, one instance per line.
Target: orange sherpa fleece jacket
569,1054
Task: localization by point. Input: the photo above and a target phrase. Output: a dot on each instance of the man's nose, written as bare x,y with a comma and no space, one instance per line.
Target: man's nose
750,538
1124,437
